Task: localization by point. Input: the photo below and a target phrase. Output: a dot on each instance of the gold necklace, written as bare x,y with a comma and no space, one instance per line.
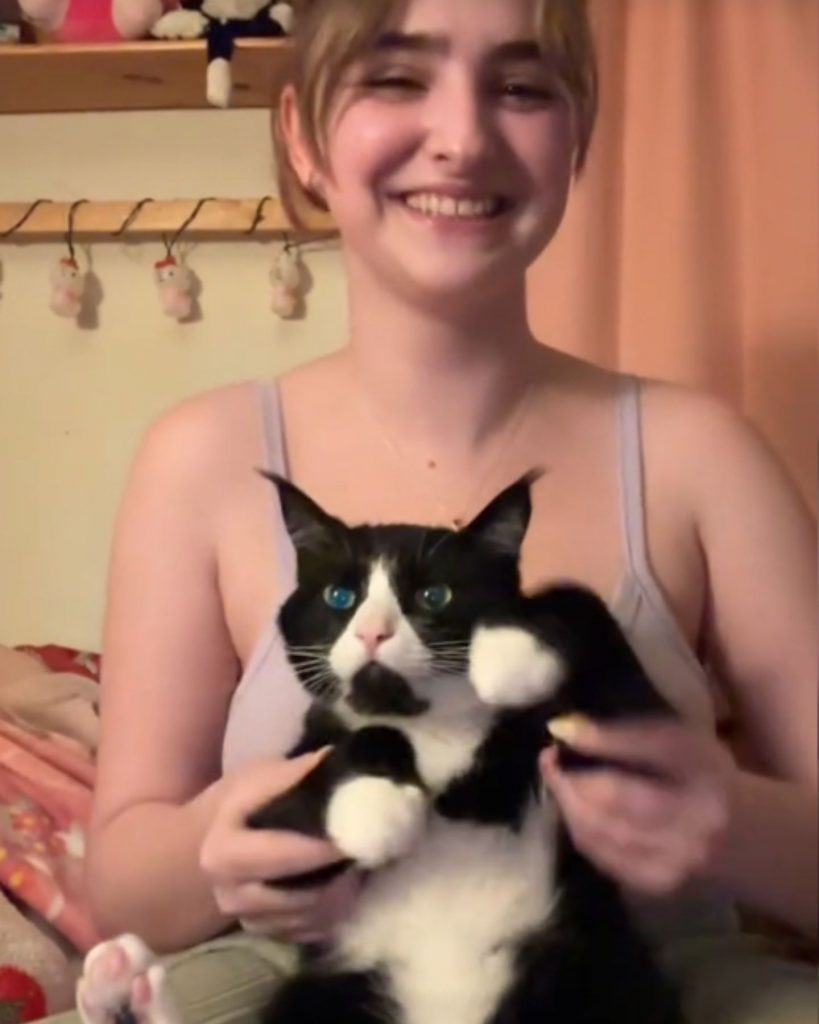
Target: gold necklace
513,426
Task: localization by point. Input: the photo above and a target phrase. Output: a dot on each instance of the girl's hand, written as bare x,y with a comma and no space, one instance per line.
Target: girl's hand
238,861
650,832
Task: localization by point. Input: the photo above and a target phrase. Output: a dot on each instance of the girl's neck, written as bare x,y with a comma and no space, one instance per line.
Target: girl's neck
441,381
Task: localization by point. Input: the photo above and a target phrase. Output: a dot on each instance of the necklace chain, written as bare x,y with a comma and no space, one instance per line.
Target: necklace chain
514,423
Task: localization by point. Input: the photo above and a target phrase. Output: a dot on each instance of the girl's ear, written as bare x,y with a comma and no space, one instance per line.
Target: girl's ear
290,130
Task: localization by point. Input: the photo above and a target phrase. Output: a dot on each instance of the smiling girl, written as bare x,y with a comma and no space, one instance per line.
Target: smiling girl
445,138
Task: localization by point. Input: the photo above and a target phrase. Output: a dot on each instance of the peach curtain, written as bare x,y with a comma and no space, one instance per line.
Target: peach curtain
690,248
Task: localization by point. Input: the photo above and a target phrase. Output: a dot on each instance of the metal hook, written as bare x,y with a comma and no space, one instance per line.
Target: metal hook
258,216
186,224
16,227
132,216
69,238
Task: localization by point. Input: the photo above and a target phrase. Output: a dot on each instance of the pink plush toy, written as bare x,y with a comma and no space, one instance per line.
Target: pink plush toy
67,287
94,21
174,282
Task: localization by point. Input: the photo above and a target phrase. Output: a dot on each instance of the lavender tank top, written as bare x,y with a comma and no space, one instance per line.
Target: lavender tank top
266,711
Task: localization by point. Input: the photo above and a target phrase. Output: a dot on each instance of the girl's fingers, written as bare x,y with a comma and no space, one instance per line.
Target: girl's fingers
268,779
662,746
639,802
626,845
247,854
256,899
644,871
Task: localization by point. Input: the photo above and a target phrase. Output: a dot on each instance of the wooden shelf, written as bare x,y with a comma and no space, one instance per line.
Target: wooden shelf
42,78
218,218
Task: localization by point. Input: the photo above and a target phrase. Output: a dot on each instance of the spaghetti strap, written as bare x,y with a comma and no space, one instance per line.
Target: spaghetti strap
276,455
273,426
632,486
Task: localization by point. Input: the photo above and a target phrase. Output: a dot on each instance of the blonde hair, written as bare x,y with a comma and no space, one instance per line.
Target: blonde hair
331,35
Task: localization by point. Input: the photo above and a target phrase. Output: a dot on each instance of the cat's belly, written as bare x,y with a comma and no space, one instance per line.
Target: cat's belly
444,921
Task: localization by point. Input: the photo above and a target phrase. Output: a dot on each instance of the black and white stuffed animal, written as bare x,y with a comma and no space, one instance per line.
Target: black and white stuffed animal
221,23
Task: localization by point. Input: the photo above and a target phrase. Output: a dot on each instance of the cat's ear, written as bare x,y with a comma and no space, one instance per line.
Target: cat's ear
309,526
502,525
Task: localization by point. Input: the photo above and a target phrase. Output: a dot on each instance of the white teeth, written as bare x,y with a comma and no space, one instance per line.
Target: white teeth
432,205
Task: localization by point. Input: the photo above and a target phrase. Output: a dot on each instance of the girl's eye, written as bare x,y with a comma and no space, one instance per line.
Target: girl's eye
395,83
340,599
434,598
527,93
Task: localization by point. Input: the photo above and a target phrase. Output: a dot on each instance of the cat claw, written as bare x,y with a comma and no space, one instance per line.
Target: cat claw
374,820
123,983
511,668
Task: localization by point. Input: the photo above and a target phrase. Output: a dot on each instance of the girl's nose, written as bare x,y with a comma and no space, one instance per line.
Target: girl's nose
459,131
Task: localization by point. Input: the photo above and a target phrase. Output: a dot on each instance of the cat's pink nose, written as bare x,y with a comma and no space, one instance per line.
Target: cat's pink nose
373,636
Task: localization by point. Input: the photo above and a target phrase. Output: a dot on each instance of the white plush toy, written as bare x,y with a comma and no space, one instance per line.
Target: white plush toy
222,22
67,288
175,285
286,278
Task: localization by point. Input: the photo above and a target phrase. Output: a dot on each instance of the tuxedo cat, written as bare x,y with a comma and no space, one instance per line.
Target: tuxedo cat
432,677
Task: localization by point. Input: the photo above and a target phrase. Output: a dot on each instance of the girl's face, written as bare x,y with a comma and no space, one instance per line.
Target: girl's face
450,151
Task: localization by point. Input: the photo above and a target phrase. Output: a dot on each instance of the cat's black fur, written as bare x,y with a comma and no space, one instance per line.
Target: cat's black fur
587,963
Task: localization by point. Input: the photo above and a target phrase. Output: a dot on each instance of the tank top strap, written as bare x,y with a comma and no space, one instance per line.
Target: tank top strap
276,458
632,485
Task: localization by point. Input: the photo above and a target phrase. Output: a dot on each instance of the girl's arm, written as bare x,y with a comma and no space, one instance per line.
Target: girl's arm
752,828
759,544
168,675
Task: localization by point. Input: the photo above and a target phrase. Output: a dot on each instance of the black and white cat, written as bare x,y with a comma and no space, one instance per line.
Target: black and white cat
433,678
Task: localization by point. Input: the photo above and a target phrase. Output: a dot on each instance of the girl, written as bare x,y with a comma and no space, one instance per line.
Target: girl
444,138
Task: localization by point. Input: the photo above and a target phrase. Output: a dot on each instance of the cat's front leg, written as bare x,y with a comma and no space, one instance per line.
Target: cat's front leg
604,677
366,796
511,667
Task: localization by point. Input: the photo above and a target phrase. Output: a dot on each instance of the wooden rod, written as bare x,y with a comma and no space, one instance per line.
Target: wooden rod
102,220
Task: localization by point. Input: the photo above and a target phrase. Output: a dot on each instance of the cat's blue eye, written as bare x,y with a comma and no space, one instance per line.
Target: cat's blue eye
434,598
340,599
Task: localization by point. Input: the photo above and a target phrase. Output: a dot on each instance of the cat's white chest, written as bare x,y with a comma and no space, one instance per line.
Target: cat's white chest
443,753
445,919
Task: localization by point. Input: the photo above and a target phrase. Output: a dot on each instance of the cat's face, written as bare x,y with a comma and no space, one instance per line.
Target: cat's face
382,616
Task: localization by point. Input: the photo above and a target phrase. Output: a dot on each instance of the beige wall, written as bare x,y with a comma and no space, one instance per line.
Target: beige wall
74,402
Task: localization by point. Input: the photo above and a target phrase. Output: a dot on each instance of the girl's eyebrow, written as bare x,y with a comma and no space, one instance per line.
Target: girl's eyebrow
520,50
413,42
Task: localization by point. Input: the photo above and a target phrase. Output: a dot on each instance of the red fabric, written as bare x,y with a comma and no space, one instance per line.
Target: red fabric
21,997
65,659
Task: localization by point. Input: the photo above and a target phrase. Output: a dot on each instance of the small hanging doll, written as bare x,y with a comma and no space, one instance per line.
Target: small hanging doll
67,288
286,278
175,284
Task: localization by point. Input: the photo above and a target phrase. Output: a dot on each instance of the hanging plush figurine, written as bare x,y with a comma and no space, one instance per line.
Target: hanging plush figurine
286,278
222,22
175,285
67,288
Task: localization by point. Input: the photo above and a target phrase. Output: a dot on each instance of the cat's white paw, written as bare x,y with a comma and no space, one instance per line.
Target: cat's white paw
374,821
180,25
122,980
510,668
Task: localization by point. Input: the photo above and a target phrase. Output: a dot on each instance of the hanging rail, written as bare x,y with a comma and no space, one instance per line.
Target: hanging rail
148,218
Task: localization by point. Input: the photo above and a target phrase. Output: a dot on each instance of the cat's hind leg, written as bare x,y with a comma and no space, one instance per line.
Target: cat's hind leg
123,983
350,997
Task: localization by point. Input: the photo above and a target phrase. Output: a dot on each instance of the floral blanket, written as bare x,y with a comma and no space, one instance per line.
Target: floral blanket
48,719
